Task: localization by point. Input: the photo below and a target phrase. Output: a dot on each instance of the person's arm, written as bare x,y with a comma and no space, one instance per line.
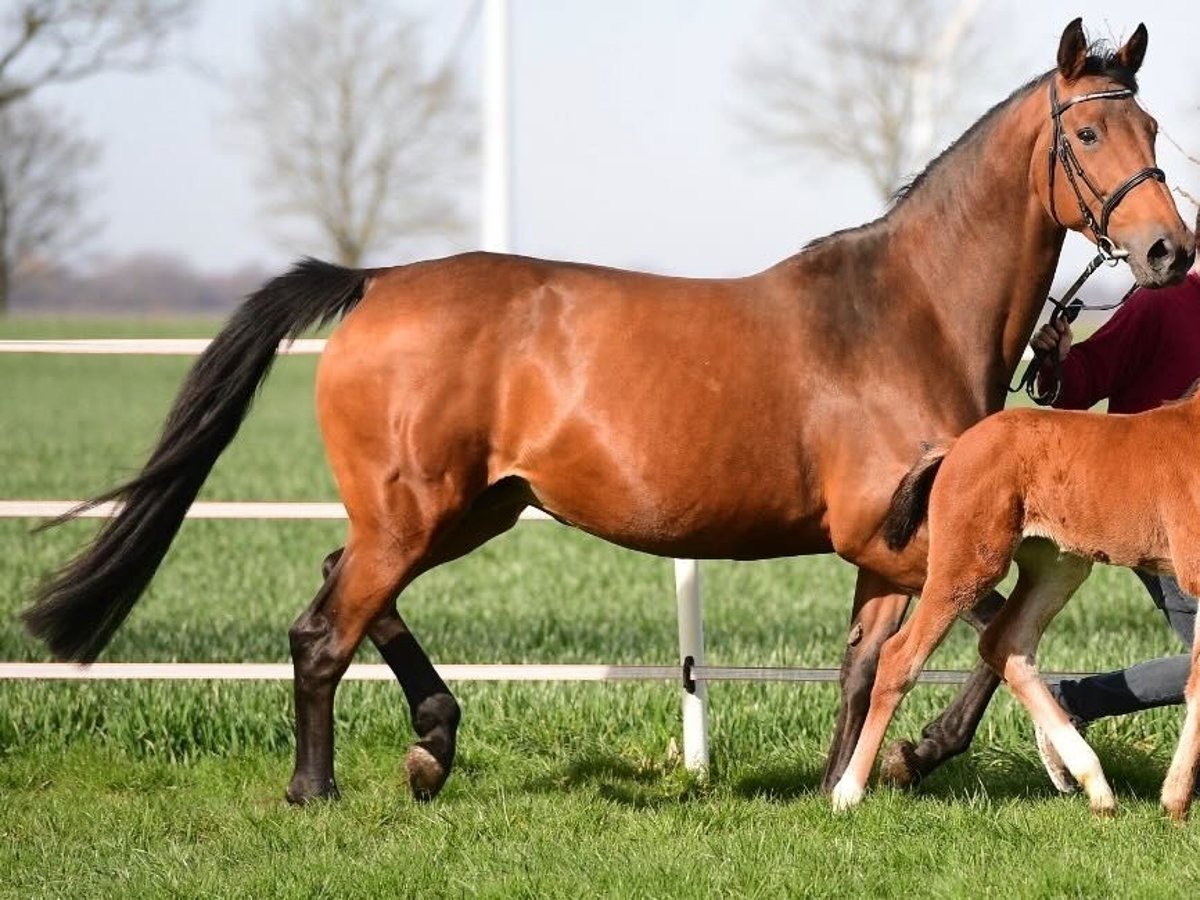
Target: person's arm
1094,369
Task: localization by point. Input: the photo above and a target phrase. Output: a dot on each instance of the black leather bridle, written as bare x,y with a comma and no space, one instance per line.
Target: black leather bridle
1061,151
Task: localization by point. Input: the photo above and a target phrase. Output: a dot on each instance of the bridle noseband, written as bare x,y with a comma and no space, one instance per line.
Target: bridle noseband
1062,151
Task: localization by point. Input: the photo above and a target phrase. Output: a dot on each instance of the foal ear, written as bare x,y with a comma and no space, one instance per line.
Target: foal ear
1072,51
1131,55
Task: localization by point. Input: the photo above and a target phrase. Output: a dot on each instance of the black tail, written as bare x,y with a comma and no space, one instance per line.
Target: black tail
910,502
80,607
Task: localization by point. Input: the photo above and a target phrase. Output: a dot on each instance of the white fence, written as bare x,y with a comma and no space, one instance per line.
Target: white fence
691,673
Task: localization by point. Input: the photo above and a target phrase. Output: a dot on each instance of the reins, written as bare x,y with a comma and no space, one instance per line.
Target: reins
1069,307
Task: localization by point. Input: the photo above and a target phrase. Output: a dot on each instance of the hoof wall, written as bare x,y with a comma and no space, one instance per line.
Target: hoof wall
898,765
426,774
302,794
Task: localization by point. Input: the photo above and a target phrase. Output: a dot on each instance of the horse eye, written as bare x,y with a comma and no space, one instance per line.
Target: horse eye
1086,135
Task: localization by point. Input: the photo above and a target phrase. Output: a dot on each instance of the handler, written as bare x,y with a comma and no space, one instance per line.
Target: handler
1147,353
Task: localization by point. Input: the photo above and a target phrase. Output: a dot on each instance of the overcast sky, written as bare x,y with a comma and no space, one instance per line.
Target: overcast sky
626,147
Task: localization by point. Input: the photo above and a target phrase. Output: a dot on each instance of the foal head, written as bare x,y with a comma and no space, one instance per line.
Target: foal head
1101,178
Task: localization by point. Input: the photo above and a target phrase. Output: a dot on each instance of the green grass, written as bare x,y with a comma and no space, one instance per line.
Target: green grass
152,789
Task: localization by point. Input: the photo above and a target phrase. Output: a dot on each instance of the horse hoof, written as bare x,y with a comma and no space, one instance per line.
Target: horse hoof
426,774
303,791
898,765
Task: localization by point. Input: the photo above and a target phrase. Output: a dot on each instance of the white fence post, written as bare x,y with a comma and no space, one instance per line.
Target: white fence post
691,653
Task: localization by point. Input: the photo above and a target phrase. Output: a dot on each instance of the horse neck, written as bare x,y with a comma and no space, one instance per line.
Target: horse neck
982,249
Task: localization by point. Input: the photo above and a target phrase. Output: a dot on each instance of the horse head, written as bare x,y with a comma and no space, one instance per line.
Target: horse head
1102,178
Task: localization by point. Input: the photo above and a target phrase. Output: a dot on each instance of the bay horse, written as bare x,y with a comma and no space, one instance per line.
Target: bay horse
746,418
1053,491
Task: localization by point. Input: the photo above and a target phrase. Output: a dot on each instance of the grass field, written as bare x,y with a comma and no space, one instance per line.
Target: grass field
561,790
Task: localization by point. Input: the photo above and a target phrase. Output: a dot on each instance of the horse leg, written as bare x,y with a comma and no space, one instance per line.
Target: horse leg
434,712
323,640
878,611
905,763
1009,644
1180,782
900,662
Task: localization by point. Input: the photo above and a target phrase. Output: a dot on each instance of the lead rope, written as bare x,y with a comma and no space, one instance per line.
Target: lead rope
1068,309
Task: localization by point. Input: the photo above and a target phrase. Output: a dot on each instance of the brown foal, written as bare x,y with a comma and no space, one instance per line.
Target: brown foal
740,418
1054,492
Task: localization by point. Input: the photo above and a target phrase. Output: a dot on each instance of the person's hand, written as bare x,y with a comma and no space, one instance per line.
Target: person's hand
1051,337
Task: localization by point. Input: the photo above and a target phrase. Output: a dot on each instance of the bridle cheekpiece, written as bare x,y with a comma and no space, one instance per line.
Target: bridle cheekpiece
1062,151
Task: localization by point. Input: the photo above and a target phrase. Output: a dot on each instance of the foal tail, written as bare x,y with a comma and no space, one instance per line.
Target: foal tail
80,606
910,502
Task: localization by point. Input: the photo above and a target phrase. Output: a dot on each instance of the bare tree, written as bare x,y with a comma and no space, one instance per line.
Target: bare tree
866,83
356,139
42,163
46,42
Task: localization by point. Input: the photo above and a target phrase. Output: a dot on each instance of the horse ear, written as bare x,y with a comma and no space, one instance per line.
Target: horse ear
1072,51
1131,55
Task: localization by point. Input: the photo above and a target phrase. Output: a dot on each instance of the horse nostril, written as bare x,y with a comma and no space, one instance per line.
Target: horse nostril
1159,251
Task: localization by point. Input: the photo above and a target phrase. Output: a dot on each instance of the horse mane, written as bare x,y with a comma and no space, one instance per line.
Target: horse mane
1101,60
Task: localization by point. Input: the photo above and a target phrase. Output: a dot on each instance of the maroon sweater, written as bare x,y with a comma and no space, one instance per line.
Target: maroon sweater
1147,353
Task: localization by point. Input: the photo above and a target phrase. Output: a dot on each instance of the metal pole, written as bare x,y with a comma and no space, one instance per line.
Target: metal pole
691,645
496,211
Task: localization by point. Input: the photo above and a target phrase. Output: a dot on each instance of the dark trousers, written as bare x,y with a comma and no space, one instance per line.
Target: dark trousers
1158,682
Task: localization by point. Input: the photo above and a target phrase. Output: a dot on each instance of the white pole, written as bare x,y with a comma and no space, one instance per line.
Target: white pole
496,212
691,645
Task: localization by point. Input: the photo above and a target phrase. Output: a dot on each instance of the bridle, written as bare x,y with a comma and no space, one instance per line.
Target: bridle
1107,251
1062,151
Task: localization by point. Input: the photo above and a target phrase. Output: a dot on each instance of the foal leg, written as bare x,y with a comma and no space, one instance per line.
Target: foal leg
905,763
900,662
1180,782
878,611
1047,580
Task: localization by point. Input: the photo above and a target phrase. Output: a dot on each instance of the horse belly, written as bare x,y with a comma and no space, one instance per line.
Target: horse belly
674,494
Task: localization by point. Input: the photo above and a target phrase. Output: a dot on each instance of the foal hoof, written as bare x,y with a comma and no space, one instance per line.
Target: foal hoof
1104,810
1177,810
846,795
898,766
426,774
1177,814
